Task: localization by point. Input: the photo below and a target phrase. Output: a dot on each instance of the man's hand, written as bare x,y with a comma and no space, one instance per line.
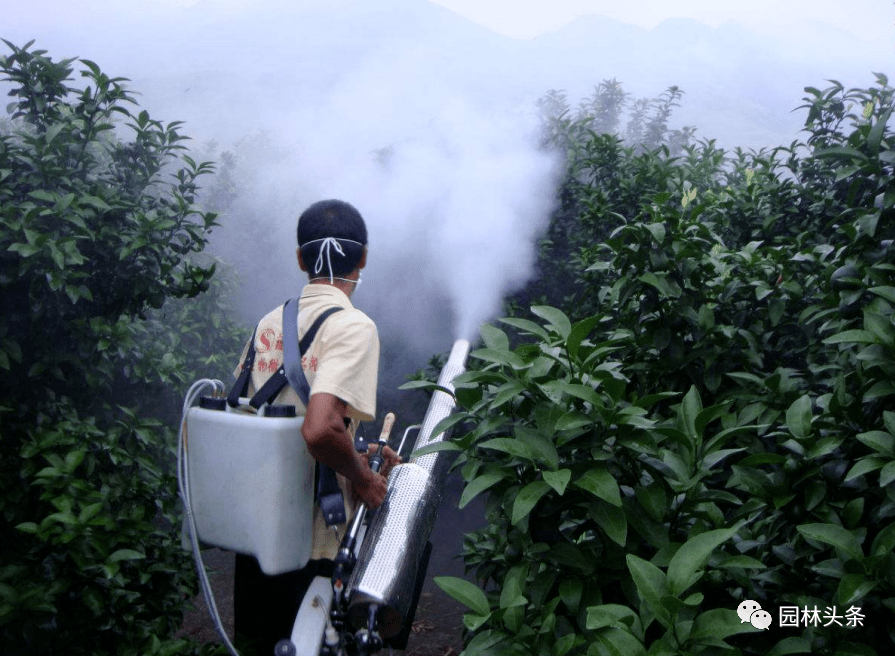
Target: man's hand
390,458
372,490
330,443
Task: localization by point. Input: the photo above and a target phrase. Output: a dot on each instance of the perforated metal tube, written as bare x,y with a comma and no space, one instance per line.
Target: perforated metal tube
388,561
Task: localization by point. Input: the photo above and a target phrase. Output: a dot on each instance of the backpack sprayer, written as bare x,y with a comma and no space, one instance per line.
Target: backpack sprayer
246,481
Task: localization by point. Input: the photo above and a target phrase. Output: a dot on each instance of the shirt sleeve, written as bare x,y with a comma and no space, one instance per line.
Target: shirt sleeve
349,363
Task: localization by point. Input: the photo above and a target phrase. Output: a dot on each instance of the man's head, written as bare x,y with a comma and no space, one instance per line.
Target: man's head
332,240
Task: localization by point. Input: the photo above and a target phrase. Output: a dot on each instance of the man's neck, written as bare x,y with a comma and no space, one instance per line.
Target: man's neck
347,287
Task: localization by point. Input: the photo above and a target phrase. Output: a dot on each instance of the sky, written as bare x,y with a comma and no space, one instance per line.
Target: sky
524,19
528,18
456,158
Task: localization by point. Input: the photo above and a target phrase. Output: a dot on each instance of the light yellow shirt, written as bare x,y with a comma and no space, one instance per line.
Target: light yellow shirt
343,360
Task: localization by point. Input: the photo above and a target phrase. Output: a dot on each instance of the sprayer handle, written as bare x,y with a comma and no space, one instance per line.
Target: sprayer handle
376,460
387,425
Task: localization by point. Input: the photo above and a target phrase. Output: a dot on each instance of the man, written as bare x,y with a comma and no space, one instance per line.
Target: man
341,366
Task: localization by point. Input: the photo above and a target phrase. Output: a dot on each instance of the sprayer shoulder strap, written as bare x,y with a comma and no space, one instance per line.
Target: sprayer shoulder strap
290,372
241,386
329,494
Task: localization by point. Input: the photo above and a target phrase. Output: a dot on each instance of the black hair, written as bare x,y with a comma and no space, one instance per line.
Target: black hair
337,219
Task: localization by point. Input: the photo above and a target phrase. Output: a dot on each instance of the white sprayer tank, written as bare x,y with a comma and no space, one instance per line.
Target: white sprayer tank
251,483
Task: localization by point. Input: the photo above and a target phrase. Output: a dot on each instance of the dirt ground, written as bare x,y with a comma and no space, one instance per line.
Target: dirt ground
438,625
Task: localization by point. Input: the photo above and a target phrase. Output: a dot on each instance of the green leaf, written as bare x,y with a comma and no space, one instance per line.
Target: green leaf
651,586
718,624
610,615
689,410
435,447
474,622
573,420
95,202
666,289
558,480
540,446
527,498
853,588
834,535
582,392
24,250
657,230
865,466
511,592
798,417
579,331
692,556
600,482
565,644
509,445
741,562
775,310
879,441
790,645
853,337
884,542
612,520
507,358
887,474
426,385
556,318
494,338
570,590
527,326
611,641
125,554
468,594
446,424
653,499
876,132
483,643
506,392
887,293
841,151
479,485
40,194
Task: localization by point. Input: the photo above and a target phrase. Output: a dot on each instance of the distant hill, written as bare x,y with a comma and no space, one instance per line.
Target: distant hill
305,94
206,65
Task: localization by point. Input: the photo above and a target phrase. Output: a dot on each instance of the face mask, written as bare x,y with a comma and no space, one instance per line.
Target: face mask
330,243
331,278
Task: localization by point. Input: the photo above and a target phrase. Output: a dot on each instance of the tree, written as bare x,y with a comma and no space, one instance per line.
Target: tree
99,226
709,419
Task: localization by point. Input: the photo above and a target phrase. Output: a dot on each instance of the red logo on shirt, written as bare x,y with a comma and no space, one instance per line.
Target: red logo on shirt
267,338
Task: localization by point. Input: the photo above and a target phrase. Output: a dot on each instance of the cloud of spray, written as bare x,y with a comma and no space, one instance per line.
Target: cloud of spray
455,211
454,193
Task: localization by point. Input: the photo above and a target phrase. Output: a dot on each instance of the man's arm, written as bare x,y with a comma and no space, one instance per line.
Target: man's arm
330,442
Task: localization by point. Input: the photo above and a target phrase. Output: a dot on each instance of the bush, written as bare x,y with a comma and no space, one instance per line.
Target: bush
711,420
99,228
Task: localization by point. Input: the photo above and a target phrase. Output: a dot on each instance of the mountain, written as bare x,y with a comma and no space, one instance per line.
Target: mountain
303,93
232,70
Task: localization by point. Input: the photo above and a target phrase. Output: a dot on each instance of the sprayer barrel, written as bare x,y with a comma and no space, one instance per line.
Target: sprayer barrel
385,574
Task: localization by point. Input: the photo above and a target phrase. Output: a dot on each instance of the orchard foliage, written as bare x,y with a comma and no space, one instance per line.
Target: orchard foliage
699,409
100,239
